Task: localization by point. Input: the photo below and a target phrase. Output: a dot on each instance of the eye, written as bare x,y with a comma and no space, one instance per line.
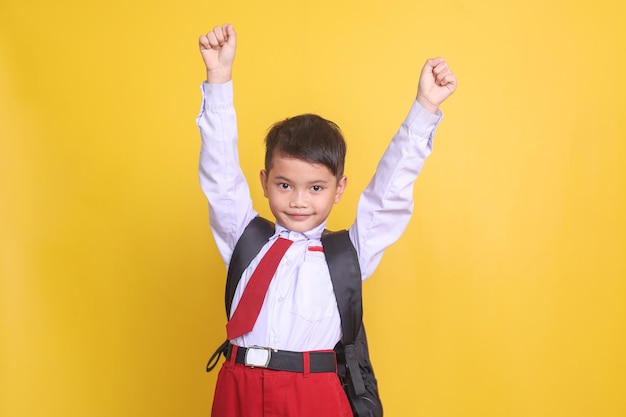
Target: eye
317,188
284,186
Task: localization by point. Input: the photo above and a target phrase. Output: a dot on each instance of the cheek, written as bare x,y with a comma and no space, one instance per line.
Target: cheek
275,198
329,203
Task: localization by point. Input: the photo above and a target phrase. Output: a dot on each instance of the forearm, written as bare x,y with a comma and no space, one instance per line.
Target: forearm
221,177
386,205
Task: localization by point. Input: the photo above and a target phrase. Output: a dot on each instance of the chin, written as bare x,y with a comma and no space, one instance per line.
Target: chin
299,226
296,227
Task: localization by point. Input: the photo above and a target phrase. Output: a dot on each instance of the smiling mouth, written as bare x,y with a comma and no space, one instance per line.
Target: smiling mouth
296,216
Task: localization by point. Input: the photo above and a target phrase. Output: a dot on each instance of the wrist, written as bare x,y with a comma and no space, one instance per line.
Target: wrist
427,105
219,76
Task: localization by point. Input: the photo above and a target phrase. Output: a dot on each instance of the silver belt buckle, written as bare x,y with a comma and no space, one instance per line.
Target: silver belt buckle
258,356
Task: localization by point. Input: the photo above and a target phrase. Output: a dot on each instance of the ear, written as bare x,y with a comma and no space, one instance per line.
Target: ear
263,177
341,187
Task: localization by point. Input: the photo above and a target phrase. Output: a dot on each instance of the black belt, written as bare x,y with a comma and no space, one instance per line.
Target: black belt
283,360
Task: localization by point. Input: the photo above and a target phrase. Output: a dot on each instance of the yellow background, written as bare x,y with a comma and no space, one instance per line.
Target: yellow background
506,295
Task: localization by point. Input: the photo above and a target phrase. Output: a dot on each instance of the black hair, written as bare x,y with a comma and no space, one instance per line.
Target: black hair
310,138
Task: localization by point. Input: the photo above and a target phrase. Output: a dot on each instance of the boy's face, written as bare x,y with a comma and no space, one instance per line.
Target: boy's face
300,194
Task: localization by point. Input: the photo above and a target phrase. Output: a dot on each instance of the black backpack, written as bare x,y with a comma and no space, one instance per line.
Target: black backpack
353,362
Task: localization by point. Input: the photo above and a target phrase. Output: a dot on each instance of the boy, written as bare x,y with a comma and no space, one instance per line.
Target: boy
303,178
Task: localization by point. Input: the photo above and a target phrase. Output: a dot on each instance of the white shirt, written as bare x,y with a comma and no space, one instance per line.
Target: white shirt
300,311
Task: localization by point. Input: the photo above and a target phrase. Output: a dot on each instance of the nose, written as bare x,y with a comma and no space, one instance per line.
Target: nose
298,200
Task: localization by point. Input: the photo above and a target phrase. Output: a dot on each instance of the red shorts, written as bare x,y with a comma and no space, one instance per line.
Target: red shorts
242,391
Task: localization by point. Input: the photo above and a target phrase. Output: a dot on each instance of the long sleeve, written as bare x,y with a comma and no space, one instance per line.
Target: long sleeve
386,205
221,177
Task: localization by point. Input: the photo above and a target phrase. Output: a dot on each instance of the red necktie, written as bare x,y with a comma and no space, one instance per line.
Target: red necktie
249,306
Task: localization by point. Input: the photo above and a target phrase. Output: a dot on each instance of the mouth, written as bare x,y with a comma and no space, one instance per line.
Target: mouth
298,216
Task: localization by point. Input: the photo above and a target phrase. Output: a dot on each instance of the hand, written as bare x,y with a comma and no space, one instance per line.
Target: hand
437,83
218,52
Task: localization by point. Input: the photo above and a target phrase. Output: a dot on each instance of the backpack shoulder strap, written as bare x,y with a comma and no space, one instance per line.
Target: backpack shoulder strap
345,274
255,235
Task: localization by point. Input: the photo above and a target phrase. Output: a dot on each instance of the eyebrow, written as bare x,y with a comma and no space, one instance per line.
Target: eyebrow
281,178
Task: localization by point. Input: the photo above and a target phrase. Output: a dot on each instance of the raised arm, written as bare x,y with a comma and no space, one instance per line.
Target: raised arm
221,177
386,205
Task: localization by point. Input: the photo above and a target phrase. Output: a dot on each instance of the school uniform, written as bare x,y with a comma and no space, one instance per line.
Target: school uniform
300,312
